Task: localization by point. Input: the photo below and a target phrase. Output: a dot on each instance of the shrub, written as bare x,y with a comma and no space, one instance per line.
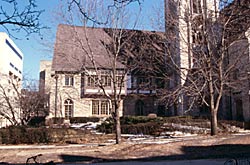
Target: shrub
149,128
37,121
24,135
84,119
107,126
38,135
12,135
179,119
133,125
139,119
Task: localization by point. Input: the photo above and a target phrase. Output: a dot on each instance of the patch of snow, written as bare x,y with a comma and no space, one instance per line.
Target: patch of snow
88,125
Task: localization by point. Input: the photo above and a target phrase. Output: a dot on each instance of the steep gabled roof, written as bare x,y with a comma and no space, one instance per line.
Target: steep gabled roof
76,44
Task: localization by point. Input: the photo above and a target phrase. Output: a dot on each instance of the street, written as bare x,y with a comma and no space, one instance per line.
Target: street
177,162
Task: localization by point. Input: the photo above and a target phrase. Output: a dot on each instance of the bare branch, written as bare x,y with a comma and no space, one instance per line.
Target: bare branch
26,19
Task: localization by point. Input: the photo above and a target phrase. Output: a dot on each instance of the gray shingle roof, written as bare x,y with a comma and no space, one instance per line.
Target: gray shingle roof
75,45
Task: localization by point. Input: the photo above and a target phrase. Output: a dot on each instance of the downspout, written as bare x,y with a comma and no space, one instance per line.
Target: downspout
56,91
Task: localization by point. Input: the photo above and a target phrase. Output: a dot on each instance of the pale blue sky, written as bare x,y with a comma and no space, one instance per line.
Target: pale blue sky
34,51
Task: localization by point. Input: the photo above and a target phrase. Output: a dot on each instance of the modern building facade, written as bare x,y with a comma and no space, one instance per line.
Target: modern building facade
11,57
11,71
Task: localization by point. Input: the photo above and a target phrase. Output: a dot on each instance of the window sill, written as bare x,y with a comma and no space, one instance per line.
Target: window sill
94,115
68,86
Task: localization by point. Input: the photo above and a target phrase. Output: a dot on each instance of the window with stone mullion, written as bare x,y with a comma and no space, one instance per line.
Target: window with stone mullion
106,80
69,80
68,107
104,108
95,107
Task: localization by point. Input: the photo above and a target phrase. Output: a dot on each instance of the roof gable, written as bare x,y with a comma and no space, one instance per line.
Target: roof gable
75,46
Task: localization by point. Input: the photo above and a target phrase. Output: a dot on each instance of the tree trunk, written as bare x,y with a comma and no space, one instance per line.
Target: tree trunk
213,122
117,126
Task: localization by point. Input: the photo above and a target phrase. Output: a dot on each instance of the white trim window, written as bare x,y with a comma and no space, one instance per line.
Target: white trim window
100,107
106,80
95,107
92,81
68,108
119,81
69,80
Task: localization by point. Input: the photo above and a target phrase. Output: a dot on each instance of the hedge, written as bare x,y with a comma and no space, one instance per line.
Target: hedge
133,125
28,135
24,135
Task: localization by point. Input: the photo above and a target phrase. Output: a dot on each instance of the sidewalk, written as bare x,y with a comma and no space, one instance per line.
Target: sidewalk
45,146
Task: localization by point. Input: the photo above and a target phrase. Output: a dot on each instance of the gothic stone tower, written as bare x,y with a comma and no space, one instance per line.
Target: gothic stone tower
181,25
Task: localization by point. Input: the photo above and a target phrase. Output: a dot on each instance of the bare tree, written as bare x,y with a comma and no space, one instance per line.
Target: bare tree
201,37
10,109
33,102
18,105
104,67
19,16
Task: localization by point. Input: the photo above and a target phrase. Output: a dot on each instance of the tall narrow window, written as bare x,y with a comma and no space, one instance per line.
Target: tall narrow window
119,81
95,107
82,85
68,106
139,108
197,6
69,80
104,108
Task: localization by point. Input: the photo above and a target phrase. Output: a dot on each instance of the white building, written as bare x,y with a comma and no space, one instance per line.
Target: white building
11,69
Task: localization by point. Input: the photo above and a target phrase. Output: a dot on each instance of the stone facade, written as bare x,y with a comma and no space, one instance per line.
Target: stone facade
60,93
70,79
182,23
240,99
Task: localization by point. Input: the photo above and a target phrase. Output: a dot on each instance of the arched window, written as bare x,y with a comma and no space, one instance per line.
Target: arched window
68,108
